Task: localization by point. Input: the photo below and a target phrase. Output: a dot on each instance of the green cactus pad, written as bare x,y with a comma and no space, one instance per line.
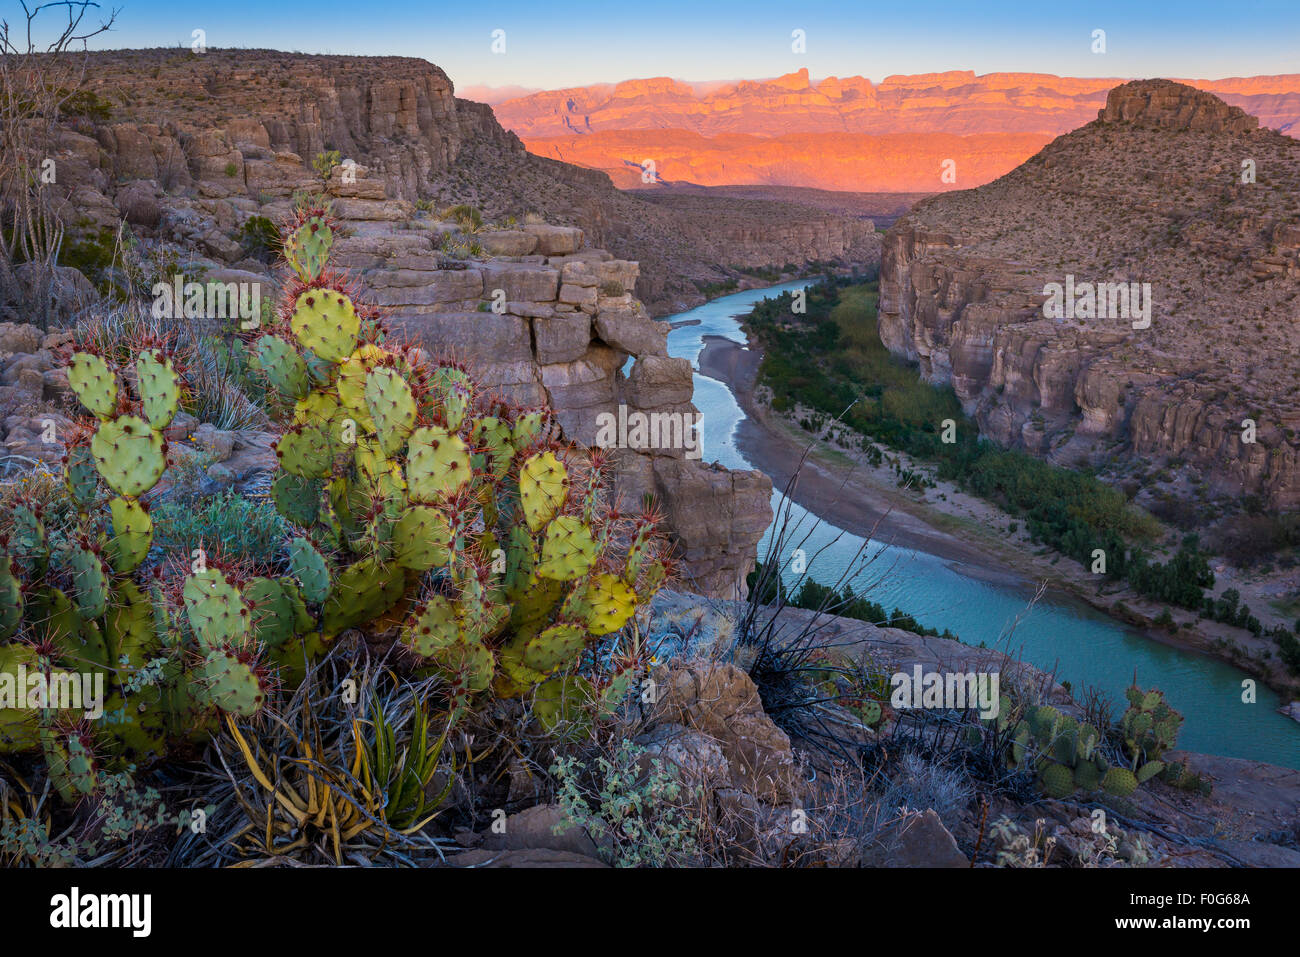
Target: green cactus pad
129,629
90,581
11,599
132,534
274,612
1057,780
310,569
297,498
217,610
557,647
27,538
568,550
1086,776
94,383
364,590
351,383
326,323
230,684
420,538
307,248
543,487
609,604
81,476
392,408
1149,770
526,429
129,455
493,436
437,464
283,367
435,629
305,451
160,388
1121,782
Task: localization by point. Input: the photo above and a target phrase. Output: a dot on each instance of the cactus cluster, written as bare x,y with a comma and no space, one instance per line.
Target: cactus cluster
452,518
419,499
82,606
1069,755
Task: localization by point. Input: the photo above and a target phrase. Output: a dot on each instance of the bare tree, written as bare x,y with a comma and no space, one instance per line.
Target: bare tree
41,81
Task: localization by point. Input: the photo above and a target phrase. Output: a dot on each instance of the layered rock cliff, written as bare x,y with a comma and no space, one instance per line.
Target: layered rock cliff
195,146
1184,201
250,125
843,133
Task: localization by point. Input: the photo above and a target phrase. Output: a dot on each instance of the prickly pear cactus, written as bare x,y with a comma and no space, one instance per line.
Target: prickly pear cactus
414,495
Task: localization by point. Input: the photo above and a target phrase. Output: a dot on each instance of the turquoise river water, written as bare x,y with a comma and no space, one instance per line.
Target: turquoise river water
1084,646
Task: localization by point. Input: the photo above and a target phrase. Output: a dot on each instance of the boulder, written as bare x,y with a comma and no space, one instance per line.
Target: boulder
632,332
563,338
556,240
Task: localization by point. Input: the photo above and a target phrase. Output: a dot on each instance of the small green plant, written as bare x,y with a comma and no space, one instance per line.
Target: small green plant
639,817
324,163
231,169
467,217
238,528
612,287
259,238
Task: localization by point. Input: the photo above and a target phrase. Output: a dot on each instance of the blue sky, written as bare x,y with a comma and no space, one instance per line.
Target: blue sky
577,42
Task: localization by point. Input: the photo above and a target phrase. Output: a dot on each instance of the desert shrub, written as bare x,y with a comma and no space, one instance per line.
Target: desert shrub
640,818
228,524
467,217
919,784
324,163
259,238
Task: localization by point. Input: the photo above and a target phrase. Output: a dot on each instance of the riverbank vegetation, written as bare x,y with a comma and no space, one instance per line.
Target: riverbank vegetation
830,359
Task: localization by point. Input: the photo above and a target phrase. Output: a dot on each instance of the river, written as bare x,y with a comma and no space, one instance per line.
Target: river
1084,646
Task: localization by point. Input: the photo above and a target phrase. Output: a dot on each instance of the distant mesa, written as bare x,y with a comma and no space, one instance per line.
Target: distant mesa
847,133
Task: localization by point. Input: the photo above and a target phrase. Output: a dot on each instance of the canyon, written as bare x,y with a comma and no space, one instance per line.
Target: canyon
1160,189
548,297
837,133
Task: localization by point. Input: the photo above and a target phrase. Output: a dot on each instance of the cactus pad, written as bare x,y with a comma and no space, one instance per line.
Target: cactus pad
543,486
568,550
217,611
310,569
160,388
132,534
420,538
326,323
94,383
437,464
232,684
283,367
392,408
129,455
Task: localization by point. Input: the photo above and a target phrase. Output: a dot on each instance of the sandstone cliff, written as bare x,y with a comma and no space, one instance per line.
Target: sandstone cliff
247,126
196,146
837,133
1169,187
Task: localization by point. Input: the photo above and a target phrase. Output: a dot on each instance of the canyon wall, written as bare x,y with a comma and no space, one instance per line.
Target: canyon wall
843,133
1203,400
194,147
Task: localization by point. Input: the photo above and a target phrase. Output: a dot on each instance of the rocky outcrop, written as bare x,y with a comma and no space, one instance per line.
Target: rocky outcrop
1160,190
195,145
556,327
